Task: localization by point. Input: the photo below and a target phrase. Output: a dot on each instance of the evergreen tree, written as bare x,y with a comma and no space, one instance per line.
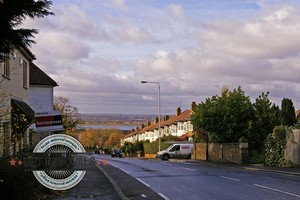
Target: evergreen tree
266,118
288,117
12,15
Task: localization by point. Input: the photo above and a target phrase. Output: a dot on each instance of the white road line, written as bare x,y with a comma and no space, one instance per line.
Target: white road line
119,168
189,169
142,182
233,179
144,196
163,196
275,190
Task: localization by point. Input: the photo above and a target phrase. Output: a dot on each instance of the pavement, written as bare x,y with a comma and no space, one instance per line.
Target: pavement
106,182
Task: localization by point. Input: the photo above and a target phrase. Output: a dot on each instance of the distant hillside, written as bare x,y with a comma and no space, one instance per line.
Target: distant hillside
116,118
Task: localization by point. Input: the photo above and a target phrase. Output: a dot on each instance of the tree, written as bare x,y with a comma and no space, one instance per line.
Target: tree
266,117
288,117
114,139
12,15
226,118
70,115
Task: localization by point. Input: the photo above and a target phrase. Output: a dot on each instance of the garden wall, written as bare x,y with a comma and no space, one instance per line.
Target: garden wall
292,151
222,152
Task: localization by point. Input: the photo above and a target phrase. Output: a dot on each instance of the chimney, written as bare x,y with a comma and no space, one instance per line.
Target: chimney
178,111
193,105
148,123
156,120
166,117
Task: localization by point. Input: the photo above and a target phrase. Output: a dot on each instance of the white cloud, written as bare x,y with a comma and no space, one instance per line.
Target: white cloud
108,52
120,4
177,11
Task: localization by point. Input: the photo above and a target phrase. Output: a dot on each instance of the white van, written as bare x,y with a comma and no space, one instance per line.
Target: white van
176,151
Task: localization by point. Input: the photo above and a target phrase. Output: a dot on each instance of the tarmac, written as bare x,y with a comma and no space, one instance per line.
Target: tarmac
106,182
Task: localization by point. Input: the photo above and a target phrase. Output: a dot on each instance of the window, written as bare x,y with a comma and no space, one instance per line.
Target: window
6,66
25,74
185,126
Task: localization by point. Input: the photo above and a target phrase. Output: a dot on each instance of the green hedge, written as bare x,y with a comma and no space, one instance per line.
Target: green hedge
152,148
275,146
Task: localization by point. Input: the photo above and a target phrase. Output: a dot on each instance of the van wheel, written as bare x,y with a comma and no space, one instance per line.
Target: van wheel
165,157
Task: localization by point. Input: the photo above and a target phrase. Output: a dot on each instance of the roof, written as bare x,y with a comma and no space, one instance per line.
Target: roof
38,77
184,116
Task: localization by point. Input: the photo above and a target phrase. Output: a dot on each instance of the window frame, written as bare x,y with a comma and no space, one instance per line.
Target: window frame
6,66
25,74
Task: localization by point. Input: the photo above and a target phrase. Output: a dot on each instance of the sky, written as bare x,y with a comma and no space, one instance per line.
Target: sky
99,51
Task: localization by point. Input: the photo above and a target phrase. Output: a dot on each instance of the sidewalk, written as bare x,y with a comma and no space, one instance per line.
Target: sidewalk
106,182
94,185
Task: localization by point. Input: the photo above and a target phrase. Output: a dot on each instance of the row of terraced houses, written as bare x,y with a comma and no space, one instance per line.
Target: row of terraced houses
178,125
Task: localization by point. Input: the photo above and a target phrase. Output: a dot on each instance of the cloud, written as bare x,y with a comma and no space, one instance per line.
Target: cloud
120,4
102,55
177,11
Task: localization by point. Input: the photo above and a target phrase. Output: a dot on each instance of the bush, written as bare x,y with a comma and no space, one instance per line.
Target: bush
16,183
152,148
275,146
256,158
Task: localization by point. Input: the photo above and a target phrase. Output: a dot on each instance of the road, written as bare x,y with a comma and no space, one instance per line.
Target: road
185,180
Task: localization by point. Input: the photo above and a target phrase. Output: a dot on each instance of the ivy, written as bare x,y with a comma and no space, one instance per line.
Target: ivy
276,145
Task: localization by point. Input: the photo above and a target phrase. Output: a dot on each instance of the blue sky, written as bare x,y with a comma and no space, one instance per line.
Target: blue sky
99,51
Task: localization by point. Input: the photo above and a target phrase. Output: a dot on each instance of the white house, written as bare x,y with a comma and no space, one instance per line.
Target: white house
178,125
41,88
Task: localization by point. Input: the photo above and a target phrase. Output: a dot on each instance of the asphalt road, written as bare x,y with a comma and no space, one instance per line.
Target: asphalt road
184,180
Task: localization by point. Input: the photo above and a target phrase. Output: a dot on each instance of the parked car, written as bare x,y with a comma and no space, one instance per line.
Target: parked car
116,152
176,151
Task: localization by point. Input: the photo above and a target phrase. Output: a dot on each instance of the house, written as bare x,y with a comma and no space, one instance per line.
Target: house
178,125
41,88
15,113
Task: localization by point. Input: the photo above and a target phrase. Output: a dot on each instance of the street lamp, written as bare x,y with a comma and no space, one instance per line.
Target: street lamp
158,110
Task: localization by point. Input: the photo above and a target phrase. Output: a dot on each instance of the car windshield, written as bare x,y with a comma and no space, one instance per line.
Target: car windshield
117,150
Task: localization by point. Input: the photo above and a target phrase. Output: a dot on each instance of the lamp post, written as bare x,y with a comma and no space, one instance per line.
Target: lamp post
158,109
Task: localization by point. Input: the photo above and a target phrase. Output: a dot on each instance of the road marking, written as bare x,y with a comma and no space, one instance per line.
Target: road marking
275,190
142,182
233,179
163,196
144,196
189,169
119,168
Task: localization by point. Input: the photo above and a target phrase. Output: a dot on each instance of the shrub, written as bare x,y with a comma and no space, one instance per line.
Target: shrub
275,146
